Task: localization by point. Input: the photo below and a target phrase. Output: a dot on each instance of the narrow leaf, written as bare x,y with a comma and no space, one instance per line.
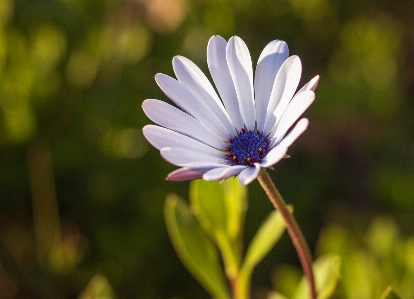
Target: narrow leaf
194,247
264,240
266,237
97,288
389,294
275,295
327,273
220,207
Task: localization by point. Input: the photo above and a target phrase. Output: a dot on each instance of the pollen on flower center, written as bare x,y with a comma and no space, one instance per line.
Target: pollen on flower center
247,148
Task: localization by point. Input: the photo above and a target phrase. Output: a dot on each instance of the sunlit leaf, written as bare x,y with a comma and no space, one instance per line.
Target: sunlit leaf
382,236
220,209
97,288
219,206
266,237
275,295
286,277
389,294
327,273
194,247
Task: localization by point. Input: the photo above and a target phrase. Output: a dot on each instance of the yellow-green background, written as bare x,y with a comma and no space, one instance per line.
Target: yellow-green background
82,192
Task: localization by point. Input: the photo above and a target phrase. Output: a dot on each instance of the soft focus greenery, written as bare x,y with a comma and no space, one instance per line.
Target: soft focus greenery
204,230
82,192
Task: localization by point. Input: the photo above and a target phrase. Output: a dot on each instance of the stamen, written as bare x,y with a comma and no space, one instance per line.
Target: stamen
247,148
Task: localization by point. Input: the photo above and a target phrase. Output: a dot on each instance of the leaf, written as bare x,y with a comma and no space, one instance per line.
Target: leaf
220,207
275,295
266,237
389,294
327,273
194,247
97,288
286,278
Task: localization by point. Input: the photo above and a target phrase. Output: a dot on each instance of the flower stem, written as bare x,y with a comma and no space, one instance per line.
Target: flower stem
293,229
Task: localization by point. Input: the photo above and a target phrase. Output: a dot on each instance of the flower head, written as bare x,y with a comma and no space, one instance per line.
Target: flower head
239,132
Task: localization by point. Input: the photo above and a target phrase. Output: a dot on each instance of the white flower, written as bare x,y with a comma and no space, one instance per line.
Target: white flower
241,131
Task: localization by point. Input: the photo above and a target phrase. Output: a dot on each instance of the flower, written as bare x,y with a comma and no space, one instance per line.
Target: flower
243,130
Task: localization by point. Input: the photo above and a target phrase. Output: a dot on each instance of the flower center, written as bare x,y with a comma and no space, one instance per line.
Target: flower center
247,148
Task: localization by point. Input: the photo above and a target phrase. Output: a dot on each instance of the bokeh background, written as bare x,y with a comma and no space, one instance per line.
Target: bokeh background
82,192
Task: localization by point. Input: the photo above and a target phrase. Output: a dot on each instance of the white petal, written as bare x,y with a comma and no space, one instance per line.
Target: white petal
184,157
190,103
170,117
300,127
275,155
249,174
240,65
296,107
194,79
222,173
285,85
270,60
161,137
219,70
189,173
311,85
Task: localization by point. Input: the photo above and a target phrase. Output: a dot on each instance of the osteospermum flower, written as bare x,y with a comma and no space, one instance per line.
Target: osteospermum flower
239,132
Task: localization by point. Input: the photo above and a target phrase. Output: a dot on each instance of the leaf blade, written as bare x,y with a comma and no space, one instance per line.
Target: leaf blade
194,247
266,237
327,273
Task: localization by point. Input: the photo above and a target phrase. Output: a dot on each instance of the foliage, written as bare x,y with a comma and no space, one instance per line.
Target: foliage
327,273
194,247
380,257
82,194
214,207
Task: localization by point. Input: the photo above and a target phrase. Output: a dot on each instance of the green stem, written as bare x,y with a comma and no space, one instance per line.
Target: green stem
231,258
293,229
241,287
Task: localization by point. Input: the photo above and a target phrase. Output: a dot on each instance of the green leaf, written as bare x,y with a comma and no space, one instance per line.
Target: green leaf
97,288
275,295
327,273
389,294
286,278
266,237
194,247
220,207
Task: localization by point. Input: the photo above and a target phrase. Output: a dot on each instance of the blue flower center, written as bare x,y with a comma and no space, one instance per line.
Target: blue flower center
247,148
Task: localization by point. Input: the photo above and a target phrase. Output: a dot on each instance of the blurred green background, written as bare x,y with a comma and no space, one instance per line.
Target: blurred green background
82,192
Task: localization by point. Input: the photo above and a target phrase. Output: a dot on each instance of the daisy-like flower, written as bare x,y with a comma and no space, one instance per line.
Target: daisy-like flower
239,132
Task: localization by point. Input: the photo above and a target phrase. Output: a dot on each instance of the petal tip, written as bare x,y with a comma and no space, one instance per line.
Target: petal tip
315,82
304,122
